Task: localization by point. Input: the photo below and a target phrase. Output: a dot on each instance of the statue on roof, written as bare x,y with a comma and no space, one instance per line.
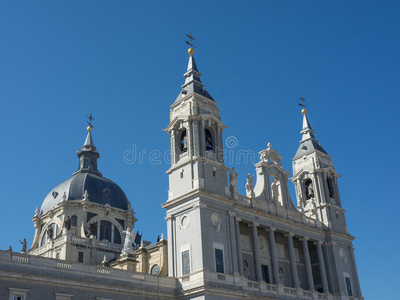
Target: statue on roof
23,246
128,243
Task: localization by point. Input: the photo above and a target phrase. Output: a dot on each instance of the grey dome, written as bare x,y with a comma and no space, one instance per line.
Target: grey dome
101,190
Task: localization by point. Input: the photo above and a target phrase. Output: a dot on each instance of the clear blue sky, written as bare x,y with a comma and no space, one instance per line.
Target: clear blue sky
124,60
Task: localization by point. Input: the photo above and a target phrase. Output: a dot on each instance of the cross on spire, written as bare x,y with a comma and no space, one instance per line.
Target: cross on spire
302,102
90,117
191,38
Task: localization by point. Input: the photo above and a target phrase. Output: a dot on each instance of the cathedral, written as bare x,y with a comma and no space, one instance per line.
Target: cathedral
219,245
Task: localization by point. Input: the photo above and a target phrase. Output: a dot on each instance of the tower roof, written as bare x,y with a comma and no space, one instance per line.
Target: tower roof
308,142
88,155
87,179
192,82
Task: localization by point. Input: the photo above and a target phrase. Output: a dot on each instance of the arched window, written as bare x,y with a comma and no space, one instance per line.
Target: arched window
209,141
154,270
183,142
74,221
308,188
105,231
117,236
330,187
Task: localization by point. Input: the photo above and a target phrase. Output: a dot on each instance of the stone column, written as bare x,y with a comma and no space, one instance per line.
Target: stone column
171,246
189,138
256,251
173,150
274,258
195,138
307,261
292,257
233,246
238,246
322,270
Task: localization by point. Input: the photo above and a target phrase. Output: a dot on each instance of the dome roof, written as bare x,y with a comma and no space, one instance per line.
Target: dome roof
101,190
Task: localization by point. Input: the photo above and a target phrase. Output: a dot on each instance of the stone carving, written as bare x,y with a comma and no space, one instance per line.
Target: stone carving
246,271
23,246
68,223
85,196
250,186
342,254
275,190
281,276
233,177
216,221
310,190
50,232
233,183
128,247
138,238
92,229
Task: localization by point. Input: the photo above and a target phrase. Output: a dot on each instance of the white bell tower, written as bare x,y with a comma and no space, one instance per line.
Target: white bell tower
315,180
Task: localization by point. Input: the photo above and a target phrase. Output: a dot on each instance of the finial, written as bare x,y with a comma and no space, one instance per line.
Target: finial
191,38
90,127
304,110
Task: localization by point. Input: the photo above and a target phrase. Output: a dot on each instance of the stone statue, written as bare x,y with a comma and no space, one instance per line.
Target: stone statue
138,238
310,191
10,248
23,246
233,177
68,223
246,271
184,146
50,232
275,190
92,230
249,186
281,276
128,247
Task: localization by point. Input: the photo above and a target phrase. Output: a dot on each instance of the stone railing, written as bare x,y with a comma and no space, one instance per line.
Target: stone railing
80,241
96,243
108,246
64,265
21,258
33,264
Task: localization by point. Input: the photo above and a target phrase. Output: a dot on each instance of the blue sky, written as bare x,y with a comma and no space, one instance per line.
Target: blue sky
124,61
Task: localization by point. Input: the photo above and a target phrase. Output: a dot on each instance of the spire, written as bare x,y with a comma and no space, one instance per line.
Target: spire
88,155
308,142
192,80
89,140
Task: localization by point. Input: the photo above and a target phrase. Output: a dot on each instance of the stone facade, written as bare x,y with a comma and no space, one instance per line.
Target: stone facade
221,245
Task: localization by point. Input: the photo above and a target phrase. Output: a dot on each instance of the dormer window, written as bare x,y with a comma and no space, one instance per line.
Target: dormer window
183,142
209,141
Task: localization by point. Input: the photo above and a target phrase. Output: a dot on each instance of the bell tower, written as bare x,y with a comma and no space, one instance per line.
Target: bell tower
195,130
198,198
315,181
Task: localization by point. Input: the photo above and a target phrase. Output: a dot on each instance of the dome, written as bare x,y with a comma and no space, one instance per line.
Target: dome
101,190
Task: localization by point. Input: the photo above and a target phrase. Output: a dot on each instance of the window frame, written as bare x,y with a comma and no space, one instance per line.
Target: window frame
347,276
219,246
17,292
